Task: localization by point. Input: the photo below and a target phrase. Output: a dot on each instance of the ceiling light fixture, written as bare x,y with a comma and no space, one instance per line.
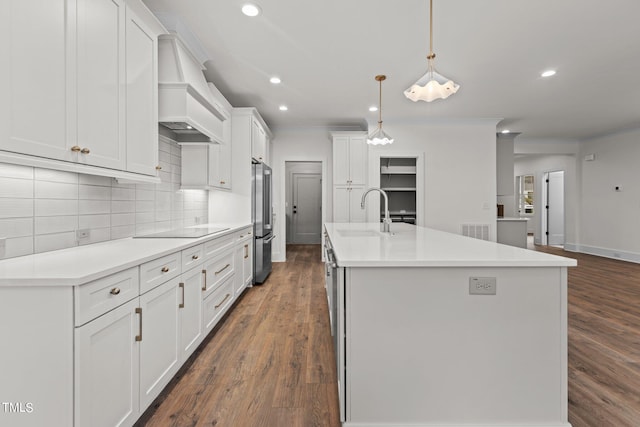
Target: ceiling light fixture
432,85
506,131
283,108
548,73
378,136
373,108
275,80
251,10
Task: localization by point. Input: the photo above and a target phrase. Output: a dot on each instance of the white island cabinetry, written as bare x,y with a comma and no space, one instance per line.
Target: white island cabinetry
115,325
474,333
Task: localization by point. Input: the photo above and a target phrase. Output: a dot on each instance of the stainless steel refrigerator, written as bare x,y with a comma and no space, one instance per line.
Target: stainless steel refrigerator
262,221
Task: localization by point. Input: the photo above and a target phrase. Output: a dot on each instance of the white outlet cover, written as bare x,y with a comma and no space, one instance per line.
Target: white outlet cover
482,286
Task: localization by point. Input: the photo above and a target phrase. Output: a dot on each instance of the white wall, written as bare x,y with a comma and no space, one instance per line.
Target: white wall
459,170
610,220
312,144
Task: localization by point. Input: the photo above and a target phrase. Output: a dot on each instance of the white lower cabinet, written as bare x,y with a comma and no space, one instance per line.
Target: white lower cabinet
106,369
346,204
190,313
244,261
216,303
159,350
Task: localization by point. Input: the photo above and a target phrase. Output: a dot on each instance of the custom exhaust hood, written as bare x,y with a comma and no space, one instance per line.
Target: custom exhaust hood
187,109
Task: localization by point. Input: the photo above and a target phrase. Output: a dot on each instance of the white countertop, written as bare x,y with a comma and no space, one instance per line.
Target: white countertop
508,218
363,245
82,264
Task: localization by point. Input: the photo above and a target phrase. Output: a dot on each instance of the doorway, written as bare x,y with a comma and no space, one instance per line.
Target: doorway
553,219
303,202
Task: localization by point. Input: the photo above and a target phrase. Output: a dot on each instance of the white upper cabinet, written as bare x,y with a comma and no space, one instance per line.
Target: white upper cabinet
81,85
100,77
349,158
34,106
142,93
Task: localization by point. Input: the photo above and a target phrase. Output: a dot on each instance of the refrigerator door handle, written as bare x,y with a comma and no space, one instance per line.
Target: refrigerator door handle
273,236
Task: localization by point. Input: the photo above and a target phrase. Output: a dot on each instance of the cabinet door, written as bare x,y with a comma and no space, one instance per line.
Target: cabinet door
106,369
190,306
219,166
357,160
257,141
341,161
100,77
247,262
341,204
159,347
34,106
141,96
356,213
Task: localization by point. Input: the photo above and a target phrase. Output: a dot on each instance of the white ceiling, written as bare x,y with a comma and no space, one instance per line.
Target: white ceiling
327,53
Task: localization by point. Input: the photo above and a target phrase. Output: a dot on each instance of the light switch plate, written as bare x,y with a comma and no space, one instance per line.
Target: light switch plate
83,234
482,285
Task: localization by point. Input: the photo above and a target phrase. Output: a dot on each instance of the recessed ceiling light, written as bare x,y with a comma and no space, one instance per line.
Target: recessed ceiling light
548,73
275,80
283,108
373,108
506,131
251,9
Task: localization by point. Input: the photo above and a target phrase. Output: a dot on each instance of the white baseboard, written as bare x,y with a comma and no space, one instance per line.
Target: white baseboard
603,252
526,424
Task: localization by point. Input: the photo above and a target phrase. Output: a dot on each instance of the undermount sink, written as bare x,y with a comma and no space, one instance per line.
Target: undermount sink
358,233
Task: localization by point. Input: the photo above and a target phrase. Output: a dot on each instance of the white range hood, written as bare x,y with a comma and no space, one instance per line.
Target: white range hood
186,105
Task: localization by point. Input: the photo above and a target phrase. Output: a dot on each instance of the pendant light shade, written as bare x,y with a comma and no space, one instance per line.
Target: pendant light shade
432,85
378,136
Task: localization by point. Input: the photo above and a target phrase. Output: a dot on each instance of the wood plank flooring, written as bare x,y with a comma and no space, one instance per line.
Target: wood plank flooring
270,362
604,341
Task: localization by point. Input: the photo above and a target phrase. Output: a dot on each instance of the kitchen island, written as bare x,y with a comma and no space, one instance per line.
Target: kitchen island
436,329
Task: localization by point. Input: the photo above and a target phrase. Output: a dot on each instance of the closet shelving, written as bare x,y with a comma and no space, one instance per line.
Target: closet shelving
398,180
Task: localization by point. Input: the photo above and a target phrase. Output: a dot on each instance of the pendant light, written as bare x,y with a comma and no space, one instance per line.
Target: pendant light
432,85
378,136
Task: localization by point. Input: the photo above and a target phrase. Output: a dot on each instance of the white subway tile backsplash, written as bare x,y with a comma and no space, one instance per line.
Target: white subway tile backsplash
16,171
122,231
52,207
96,235
17,246
16,188
55,224
16,208
123,219
55,190
123,193
94,221
94,192
56,176
52,242
16,227
41,209
118,206
91,207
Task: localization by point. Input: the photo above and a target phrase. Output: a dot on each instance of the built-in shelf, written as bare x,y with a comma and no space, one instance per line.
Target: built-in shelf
398,178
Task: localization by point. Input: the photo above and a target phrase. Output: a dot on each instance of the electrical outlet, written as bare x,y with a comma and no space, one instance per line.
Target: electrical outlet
482,285
83,234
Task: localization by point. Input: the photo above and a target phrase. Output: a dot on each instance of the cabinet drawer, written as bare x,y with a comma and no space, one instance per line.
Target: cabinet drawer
158,271
192,257
98,297
214,247
245,234
217,270
217,303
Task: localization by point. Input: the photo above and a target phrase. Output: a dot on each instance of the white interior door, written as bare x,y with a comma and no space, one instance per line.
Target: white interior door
555,208
307,208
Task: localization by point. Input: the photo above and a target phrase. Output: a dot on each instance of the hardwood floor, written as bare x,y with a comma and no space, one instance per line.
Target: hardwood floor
270,362
604,341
